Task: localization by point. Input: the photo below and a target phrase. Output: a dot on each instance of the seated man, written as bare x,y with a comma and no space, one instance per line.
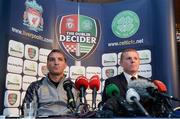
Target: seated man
130,62
48,93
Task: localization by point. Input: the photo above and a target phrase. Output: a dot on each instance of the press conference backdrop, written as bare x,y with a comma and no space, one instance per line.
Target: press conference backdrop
91,35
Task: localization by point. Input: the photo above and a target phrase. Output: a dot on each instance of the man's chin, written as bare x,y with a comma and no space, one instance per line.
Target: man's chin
133,71
55,73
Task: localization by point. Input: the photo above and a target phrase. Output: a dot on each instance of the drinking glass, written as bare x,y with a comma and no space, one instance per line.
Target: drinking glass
30,110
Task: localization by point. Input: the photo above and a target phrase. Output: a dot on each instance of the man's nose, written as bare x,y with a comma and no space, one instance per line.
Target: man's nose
132,60
56,62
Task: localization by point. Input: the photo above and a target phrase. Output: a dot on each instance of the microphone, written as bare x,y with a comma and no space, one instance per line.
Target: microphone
149,102
133,96
67,85
116,103
156,93
140,85
163,98
112,90
161,90
94,84
151,97
161,86
81,84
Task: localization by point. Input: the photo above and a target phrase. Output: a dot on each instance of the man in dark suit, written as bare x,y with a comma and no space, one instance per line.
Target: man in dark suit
130,61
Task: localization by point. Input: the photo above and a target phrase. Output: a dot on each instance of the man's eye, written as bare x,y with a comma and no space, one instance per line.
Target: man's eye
51,59
136,58
60,59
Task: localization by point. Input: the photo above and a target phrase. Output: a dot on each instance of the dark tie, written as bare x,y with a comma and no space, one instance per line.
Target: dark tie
133,78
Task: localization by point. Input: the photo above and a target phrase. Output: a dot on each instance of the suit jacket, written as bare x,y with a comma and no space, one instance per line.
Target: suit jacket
121,82
154,107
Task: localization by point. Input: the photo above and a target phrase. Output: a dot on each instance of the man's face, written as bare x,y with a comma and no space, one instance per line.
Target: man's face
56,64
130,62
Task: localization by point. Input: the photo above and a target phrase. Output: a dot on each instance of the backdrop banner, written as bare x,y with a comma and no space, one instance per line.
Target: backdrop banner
91,35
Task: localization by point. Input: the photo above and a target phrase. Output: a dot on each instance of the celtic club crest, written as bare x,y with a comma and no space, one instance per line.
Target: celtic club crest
78,35
125,24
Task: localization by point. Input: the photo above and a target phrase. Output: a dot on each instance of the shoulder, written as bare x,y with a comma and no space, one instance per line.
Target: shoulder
119,76
115,79
144,78
36,84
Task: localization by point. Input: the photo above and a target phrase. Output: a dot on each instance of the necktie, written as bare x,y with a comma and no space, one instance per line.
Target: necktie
133,78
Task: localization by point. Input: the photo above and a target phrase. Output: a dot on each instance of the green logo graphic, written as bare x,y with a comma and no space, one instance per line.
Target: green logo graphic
125,24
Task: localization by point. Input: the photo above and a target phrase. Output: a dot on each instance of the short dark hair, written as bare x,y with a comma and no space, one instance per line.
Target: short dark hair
127,50
57,51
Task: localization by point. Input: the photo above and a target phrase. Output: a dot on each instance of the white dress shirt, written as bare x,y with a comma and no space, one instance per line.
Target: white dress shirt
128,77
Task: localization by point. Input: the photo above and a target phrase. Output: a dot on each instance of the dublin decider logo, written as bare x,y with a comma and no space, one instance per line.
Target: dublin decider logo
78,35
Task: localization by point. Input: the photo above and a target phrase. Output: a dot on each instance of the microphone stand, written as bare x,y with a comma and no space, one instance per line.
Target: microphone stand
82,95
71,108
168,107
94,99
140,106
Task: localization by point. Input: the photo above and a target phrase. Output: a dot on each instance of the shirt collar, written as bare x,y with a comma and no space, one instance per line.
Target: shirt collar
56,83
128,77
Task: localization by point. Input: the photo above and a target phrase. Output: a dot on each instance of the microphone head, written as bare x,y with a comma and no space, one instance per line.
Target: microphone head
67,84
81,81
94,82
160,86
112,90
130,94
141,85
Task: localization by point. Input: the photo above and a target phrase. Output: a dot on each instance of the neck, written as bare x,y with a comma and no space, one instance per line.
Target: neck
132,73
56,78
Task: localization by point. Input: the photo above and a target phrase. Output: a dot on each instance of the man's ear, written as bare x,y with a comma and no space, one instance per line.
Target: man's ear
65,65
120,62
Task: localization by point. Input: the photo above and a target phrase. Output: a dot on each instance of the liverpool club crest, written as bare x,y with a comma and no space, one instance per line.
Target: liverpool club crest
33,16
78,35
